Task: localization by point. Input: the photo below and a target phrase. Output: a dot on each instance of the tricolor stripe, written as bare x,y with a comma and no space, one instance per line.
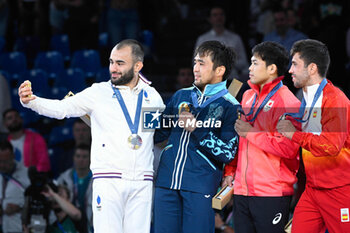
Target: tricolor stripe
144,79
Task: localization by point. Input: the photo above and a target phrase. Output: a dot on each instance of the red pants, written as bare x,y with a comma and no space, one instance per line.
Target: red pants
321,209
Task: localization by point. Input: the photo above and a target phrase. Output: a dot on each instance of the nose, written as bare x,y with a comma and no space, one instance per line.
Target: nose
113,67
250,67
195,67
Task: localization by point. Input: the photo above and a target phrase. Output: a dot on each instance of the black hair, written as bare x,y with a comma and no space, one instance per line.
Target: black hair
9,110
313,51
83,146
273,53
6,145
220,55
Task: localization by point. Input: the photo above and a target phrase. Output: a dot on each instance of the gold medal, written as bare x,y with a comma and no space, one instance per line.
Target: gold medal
134,141
184,107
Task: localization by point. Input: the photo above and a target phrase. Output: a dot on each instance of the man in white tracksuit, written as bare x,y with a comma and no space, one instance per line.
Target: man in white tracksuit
121,152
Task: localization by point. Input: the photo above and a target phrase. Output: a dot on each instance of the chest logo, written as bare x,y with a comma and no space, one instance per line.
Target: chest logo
268,105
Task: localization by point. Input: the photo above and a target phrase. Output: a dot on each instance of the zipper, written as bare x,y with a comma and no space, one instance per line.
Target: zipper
246,170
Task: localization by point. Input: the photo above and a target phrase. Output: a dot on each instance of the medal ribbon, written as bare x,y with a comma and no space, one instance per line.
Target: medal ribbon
299,115
210,100
134,127
267,98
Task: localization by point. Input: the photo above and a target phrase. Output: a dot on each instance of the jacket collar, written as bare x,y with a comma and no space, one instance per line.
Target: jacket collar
267,87
212,89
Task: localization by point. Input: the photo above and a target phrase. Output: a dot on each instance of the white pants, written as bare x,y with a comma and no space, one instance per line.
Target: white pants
121,206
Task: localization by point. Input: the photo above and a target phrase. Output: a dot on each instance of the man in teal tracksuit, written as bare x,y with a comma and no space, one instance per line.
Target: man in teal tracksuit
199,125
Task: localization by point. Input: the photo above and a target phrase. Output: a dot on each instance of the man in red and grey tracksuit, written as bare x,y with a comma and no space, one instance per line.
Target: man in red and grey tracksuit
325,113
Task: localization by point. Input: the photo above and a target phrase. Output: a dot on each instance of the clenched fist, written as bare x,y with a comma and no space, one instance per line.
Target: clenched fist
25,92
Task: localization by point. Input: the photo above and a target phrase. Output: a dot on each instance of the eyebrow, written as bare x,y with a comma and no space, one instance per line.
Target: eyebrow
118,61
198,60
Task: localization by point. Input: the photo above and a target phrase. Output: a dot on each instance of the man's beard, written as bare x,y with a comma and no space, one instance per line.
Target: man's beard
124,79
15,128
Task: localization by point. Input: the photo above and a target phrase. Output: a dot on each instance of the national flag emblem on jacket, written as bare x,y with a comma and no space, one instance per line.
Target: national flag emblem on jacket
314,114
344,214
268,105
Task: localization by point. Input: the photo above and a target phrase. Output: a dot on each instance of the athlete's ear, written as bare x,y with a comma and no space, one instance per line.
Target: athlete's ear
272,69
220,70
138,66
312,68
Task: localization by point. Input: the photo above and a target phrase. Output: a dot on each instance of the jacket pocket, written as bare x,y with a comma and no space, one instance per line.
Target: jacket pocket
165,149
206,159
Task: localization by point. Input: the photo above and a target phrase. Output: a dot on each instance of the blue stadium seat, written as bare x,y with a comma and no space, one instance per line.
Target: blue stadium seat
60,134
39,80
29,117
61,43
88,60
5,74
58,92
73,79
52,62
103,75
15,98
13,62
103,40
30,46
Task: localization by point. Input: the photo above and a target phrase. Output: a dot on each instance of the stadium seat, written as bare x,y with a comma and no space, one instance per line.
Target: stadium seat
15,98
103,75
58,92
30,46
88,60
29,117
39,80
52,62
73,79
61,43
60,134
13,62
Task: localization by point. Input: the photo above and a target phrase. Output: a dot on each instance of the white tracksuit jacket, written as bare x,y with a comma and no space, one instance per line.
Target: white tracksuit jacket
110,153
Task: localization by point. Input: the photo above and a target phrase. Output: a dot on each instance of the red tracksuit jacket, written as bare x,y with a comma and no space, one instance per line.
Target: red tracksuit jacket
326,155
267,162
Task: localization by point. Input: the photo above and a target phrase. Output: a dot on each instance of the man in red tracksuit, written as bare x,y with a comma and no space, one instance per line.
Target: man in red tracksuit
267,162
325,114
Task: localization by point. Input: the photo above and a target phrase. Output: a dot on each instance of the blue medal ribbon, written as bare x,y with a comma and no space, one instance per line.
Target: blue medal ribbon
209,101
299,115
60,227
267,98
134,127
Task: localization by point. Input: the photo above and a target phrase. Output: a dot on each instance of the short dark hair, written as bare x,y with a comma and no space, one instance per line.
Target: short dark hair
136,48
9,110
313,51
220,55
83,147
273,53
217,6
6,145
